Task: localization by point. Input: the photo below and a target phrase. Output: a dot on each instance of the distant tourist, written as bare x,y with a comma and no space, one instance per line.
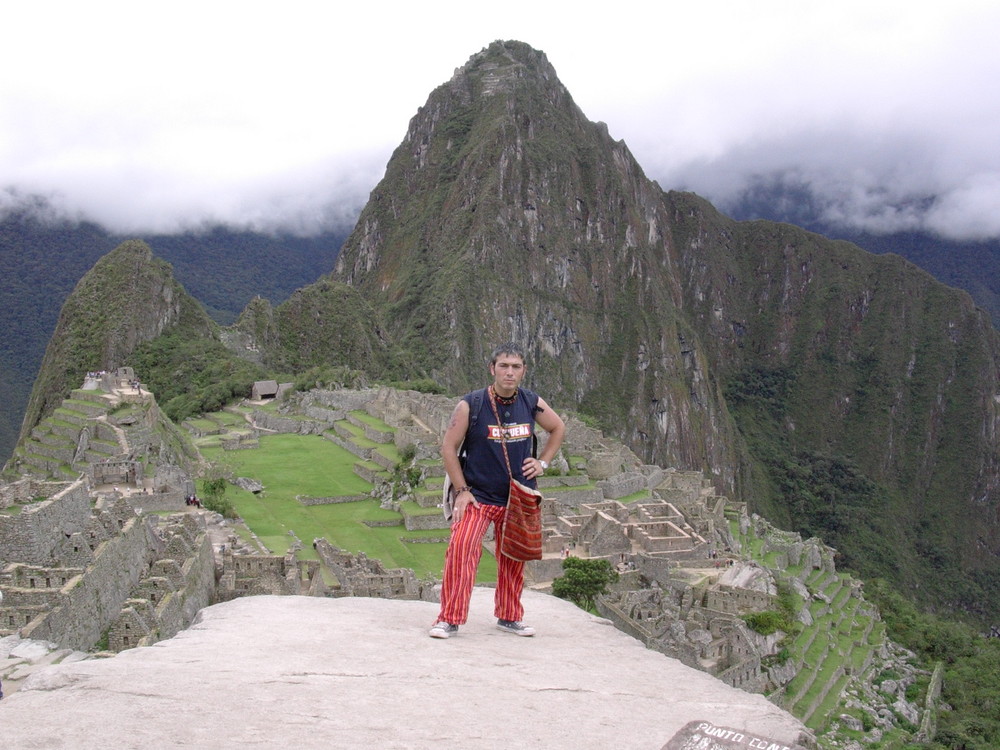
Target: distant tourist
497,439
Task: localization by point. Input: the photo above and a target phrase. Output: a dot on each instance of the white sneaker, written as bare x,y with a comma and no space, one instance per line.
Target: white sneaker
443,630
517,628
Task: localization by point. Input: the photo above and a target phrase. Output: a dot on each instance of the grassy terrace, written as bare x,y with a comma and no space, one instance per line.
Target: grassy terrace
290,466
228,419
204,425
367,419
835,647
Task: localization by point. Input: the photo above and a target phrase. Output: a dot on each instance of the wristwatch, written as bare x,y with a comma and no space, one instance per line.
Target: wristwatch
545,464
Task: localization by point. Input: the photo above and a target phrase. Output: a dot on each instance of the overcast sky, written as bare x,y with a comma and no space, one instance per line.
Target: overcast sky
157,116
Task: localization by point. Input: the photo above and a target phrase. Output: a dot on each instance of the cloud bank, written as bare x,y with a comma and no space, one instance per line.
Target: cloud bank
159,119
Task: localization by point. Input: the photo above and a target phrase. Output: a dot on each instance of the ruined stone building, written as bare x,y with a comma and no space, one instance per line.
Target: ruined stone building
359,575
70,572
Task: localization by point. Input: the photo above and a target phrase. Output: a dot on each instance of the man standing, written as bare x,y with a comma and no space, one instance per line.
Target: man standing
482,483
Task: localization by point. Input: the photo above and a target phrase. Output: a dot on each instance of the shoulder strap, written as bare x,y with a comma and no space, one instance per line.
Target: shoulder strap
477,403
533,405
474,407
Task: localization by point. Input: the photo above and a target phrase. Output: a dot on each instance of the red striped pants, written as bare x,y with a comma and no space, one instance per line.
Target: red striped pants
462,560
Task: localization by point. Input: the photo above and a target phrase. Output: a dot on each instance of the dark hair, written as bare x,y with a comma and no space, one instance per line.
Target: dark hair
510,349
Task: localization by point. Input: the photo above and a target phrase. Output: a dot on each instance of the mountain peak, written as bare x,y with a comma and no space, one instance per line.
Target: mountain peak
502,181
503,64
129,297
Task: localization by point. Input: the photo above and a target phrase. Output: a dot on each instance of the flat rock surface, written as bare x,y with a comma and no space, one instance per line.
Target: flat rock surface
304,672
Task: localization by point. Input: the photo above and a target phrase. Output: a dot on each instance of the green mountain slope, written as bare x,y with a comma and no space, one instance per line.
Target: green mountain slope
881,368
128,298
506,214
44,254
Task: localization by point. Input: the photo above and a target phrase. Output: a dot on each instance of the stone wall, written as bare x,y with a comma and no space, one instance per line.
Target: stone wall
624,484
159,502
288,425
737,601
33,536
90,603
575,497
196,585
428,411
425,521
167,601
245,575
545,570
331,500
28,489
360,576
116,471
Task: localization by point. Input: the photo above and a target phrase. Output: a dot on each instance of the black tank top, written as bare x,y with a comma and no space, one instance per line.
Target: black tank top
485,470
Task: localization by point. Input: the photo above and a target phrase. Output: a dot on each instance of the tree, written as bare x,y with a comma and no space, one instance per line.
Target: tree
214,491
583,581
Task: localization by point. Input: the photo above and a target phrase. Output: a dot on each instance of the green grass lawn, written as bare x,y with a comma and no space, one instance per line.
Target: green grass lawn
311,466
366,418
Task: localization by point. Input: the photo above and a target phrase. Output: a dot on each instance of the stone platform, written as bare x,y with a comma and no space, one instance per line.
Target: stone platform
355,672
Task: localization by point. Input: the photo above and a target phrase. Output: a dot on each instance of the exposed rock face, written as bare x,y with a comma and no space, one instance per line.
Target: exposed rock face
355,672
506,214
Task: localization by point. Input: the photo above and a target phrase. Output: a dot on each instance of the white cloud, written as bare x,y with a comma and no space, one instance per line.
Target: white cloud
159,116
969,210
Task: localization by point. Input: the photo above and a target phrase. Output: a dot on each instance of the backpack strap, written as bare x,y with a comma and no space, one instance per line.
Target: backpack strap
477,403
533,404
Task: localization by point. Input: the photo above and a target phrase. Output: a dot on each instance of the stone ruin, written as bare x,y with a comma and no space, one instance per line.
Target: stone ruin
358,575
684,585
246,574
72,573
85,564
145,569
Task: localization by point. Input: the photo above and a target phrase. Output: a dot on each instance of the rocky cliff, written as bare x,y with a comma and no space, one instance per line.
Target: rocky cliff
506,214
